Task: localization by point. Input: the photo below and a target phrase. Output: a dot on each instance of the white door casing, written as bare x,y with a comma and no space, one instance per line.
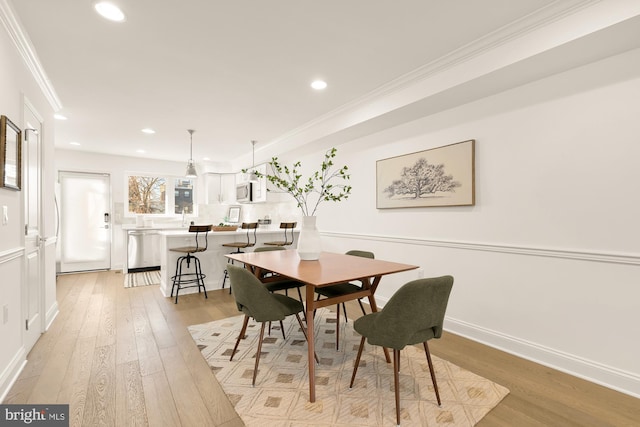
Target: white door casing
33,283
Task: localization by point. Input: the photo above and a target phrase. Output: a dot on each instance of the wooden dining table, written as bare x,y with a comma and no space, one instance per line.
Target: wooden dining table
329,269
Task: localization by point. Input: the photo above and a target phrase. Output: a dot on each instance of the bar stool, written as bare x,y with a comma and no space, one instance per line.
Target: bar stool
180,279
286,242
251,241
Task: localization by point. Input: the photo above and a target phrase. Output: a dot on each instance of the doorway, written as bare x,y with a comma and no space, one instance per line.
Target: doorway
85,221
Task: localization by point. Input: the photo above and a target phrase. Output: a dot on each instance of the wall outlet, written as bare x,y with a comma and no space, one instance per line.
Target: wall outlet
5,215
5,314
421,273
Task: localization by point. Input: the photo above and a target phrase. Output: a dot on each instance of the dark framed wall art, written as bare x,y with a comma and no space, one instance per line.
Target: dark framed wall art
442,176
10,154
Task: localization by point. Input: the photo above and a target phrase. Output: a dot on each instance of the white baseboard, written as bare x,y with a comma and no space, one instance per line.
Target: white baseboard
616,379
52,313
11,373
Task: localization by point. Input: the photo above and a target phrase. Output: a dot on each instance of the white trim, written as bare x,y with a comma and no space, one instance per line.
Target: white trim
11,254
28,53
12,372
610,257
51,315
616,379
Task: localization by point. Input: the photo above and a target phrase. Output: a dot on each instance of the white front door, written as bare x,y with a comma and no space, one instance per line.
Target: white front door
33,283
85,221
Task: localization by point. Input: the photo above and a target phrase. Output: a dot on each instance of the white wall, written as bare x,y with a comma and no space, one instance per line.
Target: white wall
546,264
16,85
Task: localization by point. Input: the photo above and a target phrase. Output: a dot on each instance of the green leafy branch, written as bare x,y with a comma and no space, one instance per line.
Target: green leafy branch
317,188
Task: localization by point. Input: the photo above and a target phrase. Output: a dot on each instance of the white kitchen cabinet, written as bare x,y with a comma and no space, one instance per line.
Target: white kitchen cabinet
220,188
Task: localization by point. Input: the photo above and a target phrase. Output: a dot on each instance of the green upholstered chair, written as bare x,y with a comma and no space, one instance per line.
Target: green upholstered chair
343,289
251,228
283,285
413,315
255,301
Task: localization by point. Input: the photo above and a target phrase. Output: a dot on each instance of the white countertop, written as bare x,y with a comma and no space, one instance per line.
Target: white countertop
127,227
260,230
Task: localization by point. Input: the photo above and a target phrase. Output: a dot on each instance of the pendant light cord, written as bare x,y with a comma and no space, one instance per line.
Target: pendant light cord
191,131
253,159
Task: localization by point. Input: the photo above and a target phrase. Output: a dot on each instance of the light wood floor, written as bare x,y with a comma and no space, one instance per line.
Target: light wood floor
124,357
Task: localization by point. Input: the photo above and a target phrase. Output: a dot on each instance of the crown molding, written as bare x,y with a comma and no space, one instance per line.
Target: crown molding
26,50
515,30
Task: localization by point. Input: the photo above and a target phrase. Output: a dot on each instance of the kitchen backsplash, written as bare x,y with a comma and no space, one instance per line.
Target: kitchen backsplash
216,213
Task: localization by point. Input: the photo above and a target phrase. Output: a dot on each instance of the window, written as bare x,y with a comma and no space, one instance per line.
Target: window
184,196
152,195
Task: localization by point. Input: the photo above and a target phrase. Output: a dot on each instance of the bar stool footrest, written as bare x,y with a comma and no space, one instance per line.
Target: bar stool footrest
186,278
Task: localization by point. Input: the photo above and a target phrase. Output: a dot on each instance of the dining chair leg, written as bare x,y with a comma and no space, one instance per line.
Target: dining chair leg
344,310
338,327
357,362
242,332
396,381
362,308
433,372
255,370
304,331
282,329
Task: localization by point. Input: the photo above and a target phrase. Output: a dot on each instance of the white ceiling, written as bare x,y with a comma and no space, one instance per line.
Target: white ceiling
234,70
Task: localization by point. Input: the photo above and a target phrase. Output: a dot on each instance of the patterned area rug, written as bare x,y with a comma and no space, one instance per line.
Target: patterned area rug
145,278
281,394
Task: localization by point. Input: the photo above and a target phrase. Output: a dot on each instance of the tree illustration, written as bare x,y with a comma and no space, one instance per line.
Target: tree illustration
422,179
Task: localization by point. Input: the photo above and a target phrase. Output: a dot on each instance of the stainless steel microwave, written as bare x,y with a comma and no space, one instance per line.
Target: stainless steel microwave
244,192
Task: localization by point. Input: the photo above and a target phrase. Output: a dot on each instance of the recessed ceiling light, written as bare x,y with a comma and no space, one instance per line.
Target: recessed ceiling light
140,151
319,84
148,130
206,159
74,143
109,11
59,117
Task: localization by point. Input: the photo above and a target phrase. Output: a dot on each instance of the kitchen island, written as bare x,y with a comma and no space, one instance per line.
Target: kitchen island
213,261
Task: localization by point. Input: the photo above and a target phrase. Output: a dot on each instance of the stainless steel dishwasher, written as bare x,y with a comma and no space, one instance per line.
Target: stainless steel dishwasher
143,250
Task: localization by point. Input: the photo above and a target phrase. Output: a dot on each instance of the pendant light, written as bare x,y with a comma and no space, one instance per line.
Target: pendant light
252,175
191,168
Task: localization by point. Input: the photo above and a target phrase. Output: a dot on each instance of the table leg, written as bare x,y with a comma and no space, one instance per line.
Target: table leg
310,343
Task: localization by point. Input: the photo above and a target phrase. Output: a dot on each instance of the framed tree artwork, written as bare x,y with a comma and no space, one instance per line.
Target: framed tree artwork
10,154
442,176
